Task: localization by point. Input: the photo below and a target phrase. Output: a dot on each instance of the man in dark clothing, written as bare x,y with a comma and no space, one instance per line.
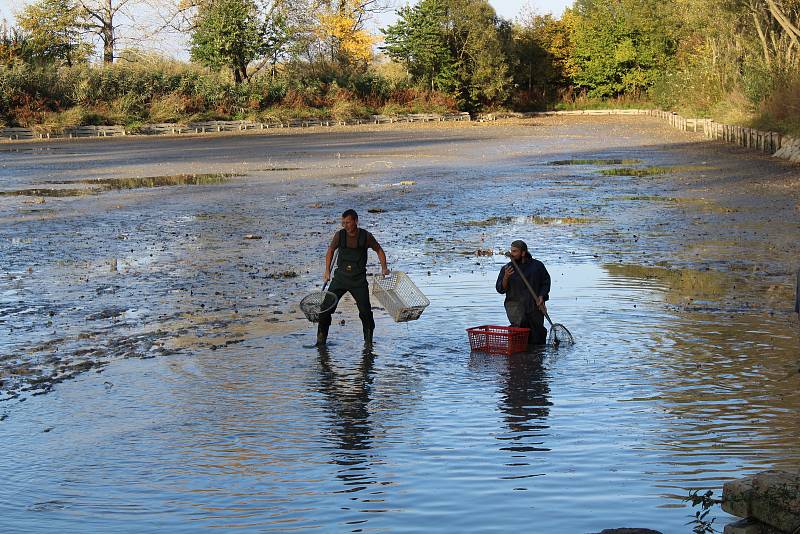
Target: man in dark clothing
351,273
522,309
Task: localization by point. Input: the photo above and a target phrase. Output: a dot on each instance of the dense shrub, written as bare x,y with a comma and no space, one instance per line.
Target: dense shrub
134,93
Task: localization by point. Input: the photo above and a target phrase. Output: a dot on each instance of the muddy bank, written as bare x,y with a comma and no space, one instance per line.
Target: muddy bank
150,264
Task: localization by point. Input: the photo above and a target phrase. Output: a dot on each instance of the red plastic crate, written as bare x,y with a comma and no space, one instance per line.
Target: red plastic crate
498,339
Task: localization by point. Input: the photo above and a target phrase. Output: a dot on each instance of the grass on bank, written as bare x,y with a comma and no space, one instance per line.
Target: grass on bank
134,93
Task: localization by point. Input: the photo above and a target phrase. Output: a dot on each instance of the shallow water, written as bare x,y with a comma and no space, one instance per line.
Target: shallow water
270,436
194,404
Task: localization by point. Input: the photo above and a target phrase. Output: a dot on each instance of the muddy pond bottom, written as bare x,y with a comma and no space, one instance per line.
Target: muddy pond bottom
419,435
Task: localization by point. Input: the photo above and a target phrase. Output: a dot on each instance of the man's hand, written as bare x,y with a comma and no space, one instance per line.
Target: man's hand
540,303
326,277
385,271
509,270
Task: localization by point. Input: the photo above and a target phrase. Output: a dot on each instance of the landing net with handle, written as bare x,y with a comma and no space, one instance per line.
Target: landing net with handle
318,302
559,334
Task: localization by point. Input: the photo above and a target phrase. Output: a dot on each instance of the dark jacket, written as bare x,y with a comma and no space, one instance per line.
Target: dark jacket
517,291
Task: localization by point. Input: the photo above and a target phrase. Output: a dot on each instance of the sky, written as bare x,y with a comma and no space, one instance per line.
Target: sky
508,9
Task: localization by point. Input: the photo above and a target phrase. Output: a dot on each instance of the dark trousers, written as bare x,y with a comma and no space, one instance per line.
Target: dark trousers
361,295
535,321
521,318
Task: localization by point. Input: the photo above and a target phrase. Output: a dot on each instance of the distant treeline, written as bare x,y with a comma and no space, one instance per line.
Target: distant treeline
736,61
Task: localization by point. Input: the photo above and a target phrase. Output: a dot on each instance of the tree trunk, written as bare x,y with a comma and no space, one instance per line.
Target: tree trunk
108,33
762,38
791,30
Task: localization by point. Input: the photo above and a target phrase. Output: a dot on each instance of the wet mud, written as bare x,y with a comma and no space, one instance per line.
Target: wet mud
213,253
149,261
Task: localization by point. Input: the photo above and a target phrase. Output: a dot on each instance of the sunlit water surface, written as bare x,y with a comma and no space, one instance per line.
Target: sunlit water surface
421,435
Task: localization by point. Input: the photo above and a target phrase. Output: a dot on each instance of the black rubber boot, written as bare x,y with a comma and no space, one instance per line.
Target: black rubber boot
368,337
322,336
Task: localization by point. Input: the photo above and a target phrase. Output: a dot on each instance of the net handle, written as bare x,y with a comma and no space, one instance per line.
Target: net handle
528,285
330,273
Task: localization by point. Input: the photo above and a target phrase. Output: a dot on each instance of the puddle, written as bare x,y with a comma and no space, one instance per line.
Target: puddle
680,286
698,203
528,219
596,162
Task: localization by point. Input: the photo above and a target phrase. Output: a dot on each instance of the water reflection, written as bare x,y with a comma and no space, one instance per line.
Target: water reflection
347,398
524,397
526,403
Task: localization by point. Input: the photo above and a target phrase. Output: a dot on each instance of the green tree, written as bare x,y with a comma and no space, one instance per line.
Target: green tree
419,41
622,46
54,27
539,49
453,46
234,33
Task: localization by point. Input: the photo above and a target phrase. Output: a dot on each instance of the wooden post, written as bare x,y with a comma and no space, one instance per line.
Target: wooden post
797,295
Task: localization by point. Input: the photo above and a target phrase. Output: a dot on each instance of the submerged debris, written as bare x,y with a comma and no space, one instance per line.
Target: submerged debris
282,275
596,162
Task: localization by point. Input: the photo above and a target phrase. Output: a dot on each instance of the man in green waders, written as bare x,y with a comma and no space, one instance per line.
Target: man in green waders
351,273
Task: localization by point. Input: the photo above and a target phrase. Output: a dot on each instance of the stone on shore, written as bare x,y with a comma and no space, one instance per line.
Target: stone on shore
771,500
749,526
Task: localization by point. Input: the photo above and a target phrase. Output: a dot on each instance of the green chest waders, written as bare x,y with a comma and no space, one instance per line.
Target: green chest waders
351,269
351,276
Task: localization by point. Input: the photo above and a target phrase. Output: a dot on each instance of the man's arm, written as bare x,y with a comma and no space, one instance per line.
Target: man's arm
502,279
545,291
374,245
326,276
382,258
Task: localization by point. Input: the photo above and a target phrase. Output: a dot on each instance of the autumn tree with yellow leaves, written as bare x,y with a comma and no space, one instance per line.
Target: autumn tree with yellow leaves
341,33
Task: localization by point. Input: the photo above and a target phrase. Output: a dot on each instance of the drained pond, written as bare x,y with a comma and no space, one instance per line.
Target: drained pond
156,372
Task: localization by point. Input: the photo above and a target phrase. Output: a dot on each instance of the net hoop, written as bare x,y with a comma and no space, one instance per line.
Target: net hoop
315,304
559,335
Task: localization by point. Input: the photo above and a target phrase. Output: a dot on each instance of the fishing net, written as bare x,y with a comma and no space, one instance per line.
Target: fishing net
315,304
559,335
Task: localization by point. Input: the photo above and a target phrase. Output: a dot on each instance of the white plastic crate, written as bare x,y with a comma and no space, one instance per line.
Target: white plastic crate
399,296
